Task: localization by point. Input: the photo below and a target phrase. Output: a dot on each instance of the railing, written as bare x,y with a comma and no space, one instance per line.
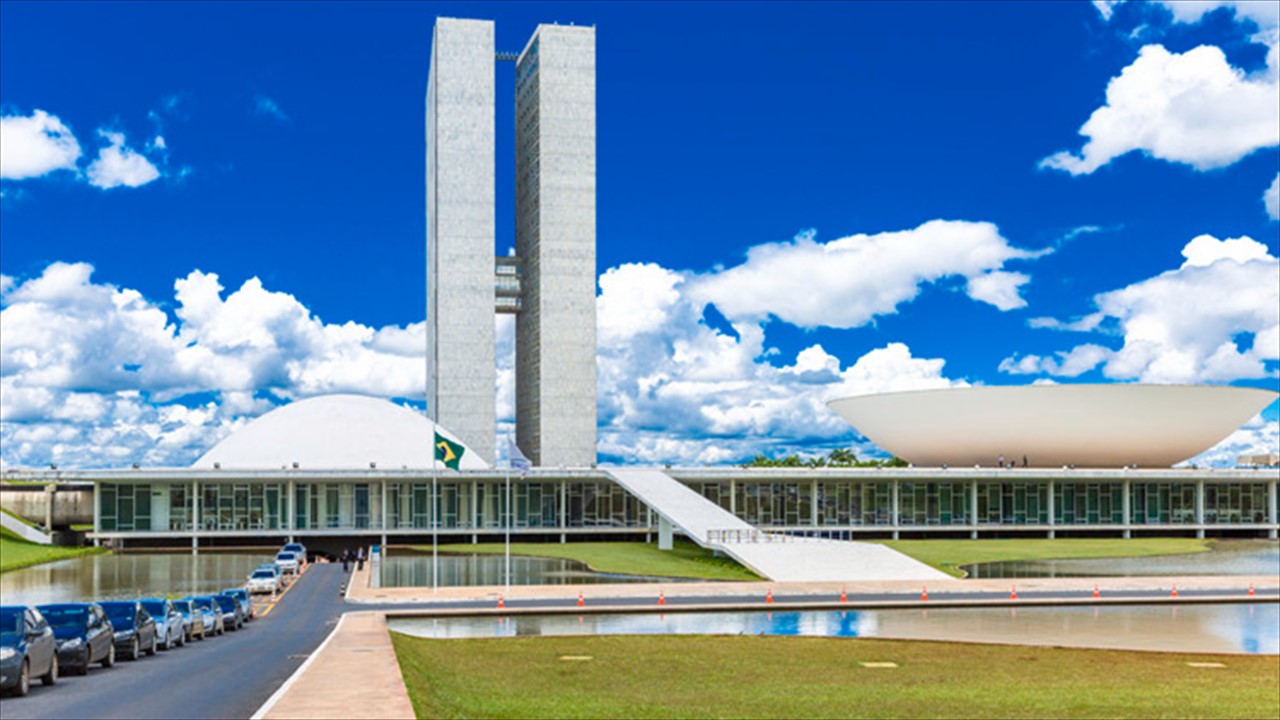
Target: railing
736,535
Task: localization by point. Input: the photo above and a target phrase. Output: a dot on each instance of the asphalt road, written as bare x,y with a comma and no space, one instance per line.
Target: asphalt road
223,677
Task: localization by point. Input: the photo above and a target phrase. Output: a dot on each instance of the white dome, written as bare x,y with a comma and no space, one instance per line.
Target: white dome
335,432
1053,425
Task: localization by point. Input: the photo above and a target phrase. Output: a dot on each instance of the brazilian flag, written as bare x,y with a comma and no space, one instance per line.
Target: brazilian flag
448,452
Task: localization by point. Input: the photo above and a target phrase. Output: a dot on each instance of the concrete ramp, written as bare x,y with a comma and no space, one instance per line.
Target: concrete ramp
699,518
774,556
24,531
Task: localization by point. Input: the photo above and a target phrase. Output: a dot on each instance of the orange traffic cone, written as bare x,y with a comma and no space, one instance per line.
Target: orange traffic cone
1013,593
662,598
1250,589
500,603
1174,593
1096,594
924,594
768,598
843,597
581,602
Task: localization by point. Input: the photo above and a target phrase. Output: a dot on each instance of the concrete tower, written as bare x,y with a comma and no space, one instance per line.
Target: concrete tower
556,241
551,284
461,373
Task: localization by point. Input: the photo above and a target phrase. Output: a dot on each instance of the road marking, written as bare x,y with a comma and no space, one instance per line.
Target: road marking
878,664
275,698
271,605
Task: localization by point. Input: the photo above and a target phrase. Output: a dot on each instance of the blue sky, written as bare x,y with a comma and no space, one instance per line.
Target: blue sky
794,201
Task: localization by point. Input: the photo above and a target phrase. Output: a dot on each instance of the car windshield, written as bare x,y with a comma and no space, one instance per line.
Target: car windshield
227,604
120,614
284,556
203,602
293,548
155,607
263,574
67,617
10,621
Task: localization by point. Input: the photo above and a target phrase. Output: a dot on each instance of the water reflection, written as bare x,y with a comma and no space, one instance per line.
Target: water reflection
1238,558
119,577
1251,628
468,570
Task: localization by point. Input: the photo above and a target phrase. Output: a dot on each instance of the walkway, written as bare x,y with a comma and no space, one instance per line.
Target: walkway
781,558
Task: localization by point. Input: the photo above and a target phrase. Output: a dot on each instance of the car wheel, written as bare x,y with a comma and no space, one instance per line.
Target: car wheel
24,679
134,650
151,651
110,659
51,677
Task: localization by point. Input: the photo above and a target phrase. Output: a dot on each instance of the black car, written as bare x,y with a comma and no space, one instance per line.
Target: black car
85,635
27,649
135,629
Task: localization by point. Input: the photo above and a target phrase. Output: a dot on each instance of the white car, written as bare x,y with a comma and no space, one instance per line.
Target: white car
287,562
263,581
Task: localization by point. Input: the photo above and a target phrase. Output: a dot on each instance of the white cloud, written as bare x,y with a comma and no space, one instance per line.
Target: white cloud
846,282
675,390
1214,319
118,164
1079,360
35,145
1256,437
92,374
1271,199
1191,108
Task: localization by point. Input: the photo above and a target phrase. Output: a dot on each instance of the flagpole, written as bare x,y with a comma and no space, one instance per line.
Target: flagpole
507,552
435,530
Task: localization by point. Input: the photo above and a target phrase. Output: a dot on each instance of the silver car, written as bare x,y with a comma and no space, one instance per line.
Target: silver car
170,627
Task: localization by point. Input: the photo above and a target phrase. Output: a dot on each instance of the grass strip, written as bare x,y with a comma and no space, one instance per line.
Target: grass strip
949,555
685,560
16,553
776,677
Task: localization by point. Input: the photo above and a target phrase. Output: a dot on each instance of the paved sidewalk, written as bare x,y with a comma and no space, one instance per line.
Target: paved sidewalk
354,674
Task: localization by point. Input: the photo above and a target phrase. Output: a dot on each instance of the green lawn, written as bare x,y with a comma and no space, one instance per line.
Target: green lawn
686,560
948,555
18,553
775,677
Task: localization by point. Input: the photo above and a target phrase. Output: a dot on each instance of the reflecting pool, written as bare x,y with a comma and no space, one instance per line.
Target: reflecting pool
122,577
1246,628
468,570
1254,557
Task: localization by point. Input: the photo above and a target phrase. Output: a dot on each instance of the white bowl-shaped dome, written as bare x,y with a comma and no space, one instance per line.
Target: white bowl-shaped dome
1053,425
336,432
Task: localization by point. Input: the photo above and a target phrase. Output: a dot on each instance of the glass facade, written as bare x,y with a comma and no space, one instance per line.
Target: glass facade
482,506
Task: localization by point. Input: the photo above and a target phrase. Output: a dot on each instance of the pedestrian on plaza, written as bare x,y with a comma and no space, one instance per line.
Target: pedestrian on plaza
346,560
360,559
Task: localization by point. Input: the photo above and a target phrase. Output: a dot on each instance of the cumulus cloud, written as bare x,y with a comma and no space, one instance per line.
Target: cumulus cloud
1214,319
117,165
1191,108
93,374
674,389
847,282
1256,437
35,145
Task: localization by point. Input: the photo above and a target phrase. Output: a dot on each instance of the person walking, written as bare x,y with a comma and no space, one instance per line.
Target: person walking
346,560
360,558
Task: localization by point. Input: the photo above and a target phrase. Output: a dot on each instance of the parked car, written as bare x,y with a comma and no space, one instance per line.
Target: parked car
288,562
297,549
27,649
171,629
263,581
210,606
232,615
242,596
135,629
85,635
194,619
270,566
